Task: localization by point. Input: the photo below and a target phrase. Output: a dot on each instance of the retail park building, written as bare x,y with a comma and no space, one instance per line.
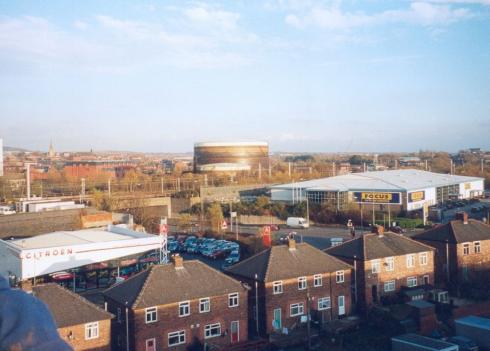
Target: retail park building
404,189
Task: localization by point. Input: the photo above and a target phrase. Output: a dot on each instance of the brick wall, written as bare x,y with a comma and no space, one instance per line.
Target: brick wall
75,336
193,325
400,273
478,264
291,294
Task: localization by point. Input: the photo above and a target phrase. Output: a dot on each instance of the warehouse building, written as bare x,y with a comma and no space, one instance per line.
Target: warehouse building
406,189
231,156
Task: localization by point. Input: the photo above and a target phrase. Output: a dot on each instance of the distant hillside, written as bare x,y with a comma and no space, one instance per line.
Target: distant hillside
14,149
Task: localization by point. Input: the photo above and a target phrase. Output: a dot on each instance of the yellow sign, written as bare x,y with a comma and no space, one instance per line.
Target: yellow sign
376,197
417,196
467,186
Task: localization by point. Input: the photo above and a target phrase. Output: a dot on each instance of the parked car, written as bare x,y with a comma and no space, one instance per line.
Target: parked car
297,222
233,258
464,343
397,229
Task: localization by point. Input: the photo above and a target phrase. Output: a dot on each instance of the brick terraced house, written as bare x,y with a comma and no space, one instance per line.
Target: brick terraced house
384,262
83,325
282,277
463,251
173,306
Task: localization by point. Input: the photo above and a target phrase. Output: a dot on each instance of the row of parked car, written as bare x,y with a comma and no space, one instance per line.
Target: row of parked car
208,247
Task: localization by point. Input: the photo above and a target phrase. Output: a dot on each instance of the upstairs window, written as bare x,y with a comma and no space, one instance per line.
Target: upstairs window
277,287
150,315
339,276
317,280
233,300
410,260
375,266
91,331
184,308
301,283
477,247
423,258
204,305
466,249
390,264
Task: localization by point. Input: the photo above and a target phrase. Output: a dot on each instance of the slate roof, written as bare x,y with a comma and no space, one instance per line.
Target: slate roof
279,262
68,308
164,284
372,246
456,232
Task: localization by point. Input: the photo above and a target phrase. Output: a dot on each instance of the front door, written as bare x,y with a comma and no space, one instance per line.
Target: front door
277,323
235,331
341,305
374,293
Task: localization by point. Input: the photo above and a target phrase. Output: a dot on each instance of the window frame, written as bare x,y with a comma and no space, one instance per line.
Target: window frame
339,277
205,301
302,283
410,260
299,306
412,278
390,264
423,258
91,328
233,297
209,327
180,334
391,282
153,309
475,245
277,287
317,280
466,249
376,263
183,304
321,300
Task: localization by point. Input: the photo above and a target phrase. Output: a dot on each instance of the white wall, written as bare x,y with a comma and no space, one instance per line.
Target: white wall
471,189
430,198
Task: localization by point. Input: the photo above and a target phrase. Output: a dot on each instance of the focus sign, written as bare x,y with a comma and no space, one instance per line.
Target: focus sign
377,197
416,196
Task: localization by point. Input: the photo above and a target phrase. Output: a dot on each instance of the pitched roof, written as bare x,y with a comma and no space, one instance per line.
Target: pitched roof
372,246
457,232
164,284
279,262
68,308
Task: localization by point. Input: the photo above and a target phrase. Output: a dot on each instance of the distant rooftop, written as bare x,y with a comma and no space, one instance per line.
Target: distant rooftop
231,143
392,180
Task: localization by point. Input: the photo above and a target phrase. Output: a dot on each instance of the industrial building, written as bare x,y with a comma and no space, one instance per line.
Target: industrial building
231,156
406,189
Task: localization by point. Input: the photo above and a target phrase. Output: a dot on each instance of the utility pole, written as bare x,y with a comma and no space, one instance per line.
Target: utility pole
289,169
334,171
82,193
426,166
260,171
109,186
451,165
231,216
28,179
481,161
307,210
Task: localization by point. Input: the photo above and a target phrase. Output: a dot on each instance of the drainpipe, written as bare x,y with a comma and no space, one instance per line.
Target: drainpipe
127,328
447,261
256,305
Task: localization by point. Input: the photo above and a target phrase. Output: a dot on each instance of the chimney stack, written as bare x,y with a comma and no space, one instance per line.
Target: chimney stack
462,216
292,244
178,261
379,229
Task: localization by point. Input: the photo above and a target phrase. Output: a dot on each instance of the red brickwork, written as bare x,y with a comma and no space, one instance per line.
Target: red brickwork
75,336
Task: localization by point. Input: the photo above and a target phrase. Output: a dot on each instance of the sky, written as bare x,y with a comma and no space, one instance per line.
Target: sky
306,76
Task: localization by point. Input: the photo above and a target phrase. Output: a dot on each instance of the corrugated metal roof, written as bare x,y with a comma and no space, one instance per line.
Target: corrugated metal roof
392,180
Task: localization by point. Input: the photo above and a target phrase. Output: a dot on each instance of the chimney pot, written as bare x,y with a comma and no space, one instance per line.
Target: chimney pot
379,229
178,261
462,216
292,244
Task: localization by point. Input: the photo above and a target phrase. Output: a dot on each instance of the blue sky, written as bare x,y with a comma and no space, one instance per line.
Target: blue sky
320,76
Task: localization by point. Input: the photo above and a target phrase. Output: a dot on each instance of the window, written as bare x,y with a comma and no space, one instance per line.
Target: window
390,264
410,260
277,288
477,247
375,266
301,283
423,258
466,249
176,338
151,315
317,280
411,281
323,303
339,276
184,308
233,300
296,309
151,345
390,285
119,315
212,330
204,305
91,330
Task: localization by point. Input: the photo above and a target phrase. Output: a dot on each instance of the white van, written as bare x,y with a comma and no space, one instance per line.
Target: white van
297,222
5,210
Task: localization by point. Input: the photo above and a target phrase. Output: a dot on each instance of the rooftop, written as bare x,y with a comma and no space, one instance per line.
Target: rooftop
77,237
392,180
280,262
457,231
432,344
475,321
68,308
373,246
166,284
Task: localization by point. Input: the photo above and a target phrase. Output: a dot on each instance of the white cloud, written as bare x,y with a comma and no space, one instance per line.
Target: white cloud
418,13
80,25
224,20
